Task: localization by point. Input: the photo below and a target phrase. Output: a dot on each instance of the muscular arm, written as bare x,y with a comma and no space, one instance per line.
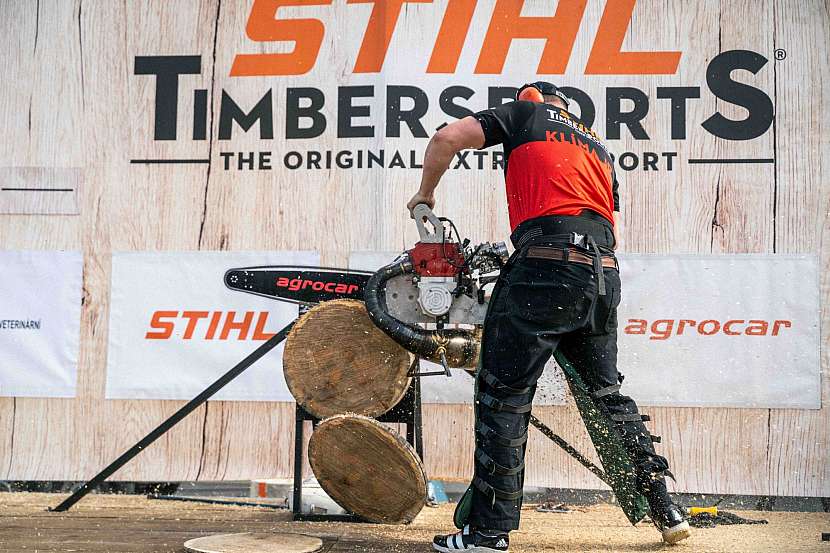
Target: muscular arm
464,133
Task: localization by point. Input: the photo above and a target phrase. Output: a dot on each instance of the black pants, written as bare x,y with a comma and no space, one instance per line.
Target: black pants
540,305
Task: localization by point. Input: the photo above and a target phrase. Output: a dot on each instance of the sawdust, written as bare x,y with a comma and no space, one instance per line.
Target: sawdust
128,523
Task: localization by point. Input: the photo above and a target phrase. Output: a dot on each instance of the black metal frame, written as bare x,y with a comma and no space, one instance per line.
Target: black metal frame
407,411
171,421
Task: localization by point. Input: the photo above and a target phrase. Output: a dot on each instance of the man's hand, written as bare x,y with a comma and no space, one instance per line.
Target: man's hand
419,198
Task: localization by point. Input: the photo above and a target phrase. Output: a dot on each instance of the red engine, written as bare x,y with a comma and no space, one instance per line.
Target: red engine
436,260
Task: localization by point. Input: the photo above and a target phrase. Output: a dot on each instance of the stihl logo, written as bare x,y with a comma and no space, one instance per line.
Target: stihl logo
506,25
209,325
296,284
663,329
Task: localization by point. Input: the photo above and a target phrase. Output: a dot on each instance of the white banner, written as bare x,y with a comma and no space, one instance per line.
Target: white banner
698,331
40,321
175,327
721,331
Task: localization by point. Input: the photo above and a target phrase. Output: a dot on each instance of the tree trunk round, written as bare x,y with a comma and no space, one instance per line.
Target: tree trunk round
368,469
337,361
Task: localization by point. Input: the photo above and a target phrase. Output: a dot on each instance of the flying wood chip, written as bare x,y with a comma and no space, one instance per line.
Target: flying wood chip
368,469
337,361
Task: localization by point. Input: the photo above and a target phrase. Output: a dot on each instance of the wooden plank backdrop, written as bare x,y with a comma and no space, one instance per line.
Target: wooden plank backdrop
71,100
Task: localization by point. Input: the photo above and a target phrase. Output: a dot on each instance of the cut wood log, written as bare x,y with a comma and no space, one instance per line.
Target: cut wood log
337,361
254,543
368,469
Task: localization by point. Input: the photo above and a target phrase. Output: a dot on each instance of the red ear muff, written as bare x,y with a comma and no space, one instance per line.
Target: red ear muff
531,94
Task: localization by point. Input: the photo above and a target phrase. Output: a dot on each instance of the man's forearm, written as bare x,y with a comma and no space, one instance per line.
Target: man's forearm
439,154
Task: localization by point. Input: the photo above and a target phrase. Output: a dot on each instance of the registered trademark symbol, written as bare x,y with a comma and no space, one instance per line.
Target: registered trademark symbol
780,54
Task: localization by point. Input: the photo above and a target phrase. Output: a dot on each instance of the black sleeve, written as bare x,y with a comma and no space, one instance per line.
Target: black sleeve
500,122
615,188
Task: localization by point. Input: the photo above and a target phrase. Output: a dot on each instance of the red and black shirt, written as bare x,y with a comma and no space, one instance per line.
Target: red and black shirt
554,164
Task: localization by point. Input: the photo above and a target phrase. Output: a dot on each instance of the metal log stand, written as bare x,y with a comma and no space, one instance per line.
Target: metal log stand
407,411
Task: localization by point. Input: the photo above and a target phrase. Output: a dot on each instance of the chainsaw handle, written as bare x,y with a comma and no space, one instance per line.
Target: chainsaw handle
423,214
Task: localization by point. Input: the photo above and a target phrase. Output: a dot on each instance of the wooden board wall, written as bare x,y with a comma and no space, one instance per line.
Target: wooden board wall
70,100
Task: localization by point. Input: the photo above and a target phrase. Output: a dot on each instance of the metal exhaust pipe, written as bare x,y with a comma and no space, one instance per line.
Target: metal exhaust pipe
457,347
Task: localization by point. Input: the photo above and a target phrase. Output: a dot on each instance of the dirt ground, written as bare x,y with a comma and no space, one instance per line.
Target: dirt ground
106,523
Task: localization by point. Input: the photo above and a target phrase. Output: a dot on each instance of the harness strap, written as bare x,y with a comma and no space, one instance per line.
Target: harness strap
495,493
537,236
598,270
496,383
655,439
493,467
499,405
607,391
490,434
635,417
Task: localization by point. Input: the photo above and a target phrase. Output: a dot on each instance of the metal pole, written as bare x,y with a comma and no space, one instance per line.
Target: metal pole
125,457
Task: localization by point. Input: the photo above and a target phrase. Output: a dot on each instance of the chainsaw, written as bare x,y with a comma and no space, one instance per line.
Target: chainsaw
442,281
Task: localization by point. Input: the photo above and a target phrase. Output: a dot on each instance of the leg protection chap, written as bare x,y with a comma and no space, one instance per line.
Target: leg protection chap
502,416
614,448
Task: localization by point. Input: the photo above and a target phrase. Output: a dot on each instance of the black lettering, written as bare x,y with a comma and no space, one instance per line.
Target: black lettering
669,160
496,95
462,159
413,162
167,70
264,160
626,165
678,96
395,115
445,101
631,119
397,161
498,160
200,114
226,158
346,111
242,159
587,110
650,161
344,159
312,158
374,158
263,112
755,101
294,112
297,160
479,158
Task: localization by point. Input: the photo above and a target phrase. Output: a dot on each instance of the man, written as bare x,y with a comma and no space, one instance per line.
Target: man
558,292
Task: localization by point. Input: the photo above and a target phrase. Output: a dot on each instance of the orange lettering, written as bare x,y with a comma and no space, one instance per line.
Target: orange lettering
727,327
263,26
451,36
259,330
192,320
508,24
165,329
214,322
757,328
661,333
715,327
606,57
780,323
378,33
636,326
242,326
682,326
